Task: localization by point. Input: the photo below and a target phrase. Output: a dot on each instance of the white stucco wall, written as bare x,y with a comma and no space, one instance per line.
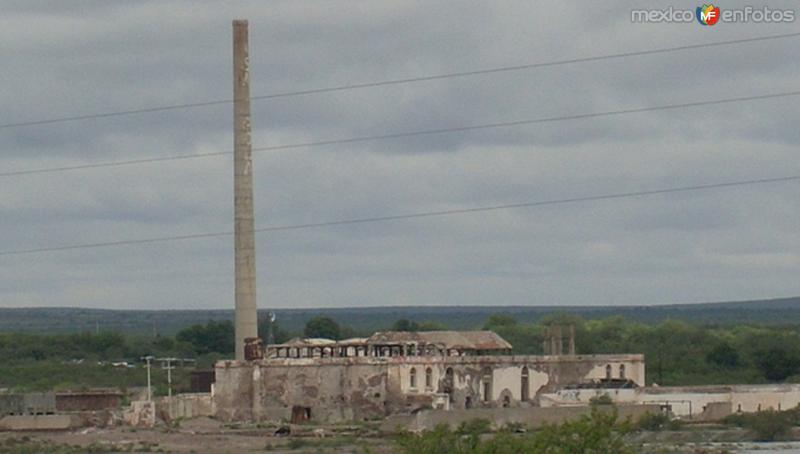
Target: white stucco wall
508,379
506,372
688,401
684,403
755,398
568,397
634,371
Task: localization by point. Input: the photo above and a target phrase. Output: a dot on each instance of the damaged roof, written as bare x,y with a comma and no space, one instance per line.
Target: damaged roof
461,340
321,342
306,342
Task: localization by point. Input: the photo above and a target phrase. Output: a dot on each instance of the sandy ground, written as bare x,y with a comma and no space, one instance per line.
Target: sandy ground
206,435
209,436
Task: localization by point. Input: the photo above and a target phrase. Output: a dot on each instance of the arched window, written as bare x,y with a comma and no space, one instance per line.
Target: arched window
608,372
428,378
413,377
622,371
525,391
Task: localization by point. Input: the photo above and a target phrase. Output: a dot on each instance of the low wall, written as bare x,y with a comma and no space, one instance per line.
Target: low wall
532,417
704,403
141,413
62,402
39,422
27,404
715,411
87,401
192,405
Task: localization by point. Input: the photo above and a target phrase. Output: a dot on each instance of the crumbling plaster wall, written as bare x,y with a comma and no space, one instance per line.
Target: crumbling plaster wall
336,389
233,391
581,397
545,373
333,389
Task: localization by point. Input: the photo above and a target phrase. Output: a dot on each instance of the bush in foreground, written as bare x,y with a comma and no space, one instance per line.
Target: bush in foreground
656,422
600,432
767,425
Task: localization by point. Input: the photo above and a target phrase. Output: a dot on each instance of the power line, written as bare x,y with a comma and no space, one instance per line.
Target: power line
410,133
400,81
424,214
113,164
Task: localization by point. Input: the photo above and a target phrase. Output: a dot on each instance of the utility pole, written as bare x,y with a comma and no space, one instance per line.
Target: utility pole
149,389
166,363
246,319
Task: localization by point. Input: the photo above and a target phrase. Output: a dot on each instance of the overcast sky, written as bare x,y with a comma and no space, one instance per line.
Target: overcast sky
74,58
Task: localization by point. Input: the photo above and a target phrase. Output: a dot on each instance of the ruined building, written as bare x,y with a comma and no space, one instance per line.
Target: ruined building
403,372
390,372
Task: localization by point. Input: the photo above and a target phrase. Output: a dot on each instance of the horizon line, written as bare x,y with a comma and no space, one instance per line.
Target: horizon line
477,306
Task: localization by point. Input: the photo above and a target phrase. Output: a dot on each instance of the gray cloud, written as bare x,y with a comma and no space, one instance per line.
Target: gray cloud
734,243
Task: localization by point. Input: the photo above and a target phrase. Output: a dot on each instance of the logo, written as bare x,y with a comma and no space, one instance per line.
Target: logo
707,14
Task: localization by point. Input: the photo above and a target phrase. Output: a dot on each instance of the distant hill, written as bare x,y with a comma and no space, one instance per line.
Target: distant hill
50,320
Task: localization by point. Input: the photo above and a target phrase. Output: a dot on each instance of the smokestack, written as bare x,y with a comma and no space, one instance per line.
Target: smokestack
244,224
572,339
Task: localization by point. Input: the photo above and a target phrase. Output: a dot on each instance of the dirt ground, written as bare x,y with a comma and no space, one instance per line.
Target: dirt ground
209,436
201,436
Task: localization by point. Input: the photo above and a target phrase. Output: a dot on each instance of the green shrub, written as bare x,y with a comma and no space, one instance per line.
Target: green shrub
439,440
296,443
656,422
474,427
599,432
515,427
603,399
767,425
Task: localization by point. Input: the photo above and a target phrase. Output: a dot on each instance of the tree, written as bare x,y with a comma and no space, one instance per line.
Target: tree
723,355
777,363
215,336
323,327
497,320
405,324
431,326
